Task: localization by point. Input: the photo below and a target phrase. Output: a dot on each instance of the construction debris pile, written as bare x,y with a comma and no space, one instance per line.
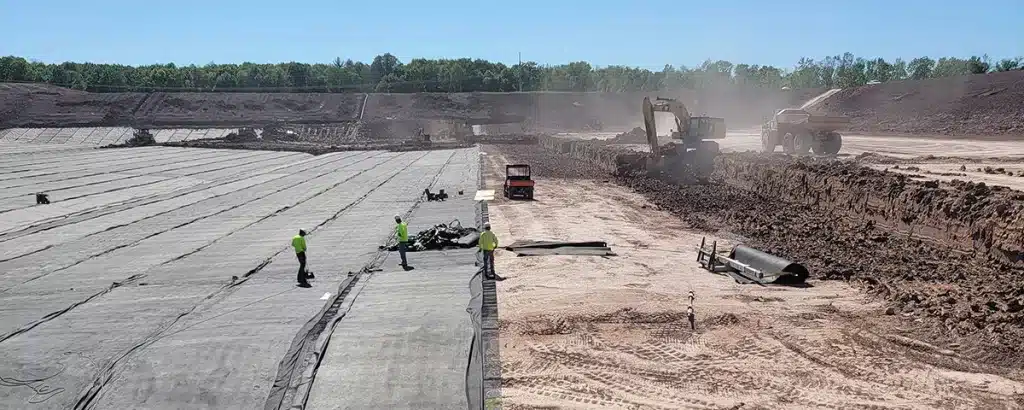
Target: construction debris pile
884,231
442,236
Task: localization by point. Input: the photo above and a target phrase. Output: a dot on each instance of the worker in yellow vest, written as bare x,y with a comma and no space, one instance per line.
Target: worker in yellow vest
488,243
402,233
299,243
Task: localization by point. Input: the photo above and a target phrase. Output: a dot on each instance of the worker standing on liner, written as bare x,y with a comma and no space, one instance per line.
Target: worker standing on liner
402,232
299,243
488,243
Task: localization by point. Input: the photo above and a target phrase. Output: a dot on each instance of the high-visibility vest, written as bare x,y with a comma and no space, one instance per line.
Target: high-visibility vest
488,241
299,243
403,232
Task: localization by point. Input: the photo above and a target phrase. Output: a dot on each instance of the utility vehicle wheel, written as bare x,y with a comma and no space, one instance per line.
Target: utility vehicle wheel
788,144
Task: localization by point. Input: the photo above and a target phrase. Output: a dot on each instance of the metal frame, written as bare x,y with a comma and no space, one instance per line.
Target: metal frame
714,262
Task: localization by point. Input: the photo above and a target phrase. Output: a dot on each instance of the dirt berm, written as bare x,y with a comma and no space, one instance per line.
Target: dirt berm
581,111
940,254
988,105
968,216
49,106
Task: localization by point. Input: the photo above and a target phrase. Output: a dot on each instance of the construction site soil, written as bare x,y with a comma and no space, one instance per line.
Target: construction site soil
989,105
975,105
48,106
943,255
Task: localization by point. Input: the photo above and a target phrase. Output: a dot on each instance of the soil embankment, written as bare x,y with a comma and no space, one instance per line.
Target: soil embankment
942,254
975,105
48,106
989,105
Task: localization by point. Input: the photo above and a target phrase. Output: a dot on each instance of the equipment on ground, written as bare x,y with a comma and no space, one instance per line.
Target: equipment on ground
451,235
538,248
799,132
439,196
42,199
517,182
689,155
749,265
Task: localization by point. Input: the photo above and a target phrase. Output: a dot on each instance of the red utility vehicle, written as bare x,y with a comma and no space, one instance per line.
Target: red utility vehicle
517,182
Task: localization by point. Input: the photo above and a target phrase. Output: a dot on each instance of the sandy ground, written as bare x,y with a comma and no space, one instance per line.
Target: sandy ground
907,147
587,332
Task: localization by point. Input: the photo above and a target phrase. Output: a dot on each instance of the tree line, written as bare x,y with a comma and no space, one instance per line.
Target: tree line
386,73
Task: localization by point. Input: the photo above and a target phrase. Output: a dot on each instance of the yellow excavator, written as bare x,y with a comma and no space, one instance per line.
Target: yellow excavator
689,156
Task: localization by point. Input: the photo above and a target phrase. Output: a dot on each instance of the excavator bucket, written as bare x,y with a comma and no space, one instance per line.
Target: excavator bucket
650,127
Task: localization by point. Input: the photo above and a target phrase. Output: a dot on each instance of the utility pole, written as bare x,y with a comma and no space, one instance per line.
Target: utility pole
520,71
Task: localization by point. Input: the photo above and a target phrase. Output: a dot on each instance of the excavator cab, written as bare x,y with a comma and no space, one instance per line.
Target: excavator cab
707,128
692,156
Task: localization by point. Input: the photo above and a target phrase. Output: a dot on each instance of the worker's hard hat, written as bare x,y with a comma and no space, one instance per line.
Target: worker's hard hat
398,217
302,232
487,226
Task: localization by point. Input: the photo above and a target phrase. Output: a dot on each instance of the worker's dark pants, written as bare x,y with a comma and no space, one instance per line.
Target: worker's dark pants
489,264
302,266
403,247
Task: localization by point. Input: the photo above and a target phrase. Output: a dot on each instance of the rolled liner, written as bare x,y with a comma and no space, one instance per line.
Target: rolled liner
787,270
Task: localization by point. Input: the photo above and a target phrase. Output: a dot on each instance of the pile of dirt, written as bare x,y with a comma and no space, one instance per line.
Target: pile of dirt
635,136
31,105
941,254
247,109
973,105
581,112
140,138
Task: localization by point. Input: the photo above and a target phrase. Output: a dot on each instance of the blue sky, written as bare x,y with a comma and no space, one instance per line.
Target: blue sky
641,33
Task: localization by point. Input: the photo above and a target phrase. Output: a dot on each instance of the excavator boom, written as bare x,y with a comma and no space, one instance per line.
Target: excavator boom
690,154
651,127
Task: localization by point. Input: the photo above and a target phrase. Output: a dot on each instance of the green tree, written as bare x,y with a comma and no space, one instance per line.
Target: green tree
1008,64
386,72
920,68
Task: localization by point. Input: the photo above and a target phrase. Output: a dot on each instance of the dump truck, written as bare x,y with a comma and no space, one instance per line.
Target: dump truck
799,132
689,155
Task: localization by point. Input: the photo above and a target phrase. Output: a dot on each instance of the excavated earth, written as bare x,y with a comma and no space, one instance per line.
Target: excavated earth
979,106
49,106
989,106
942,255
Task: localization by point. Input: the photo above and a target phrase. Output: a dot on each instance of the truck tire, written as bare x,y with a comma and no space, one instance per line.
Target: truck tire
830,145
802,143
788,144
767,142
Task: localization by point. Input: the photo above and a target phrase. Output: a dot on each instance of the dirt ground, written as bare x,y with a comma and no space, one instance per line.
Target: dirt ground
586,332
975,105
903,147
